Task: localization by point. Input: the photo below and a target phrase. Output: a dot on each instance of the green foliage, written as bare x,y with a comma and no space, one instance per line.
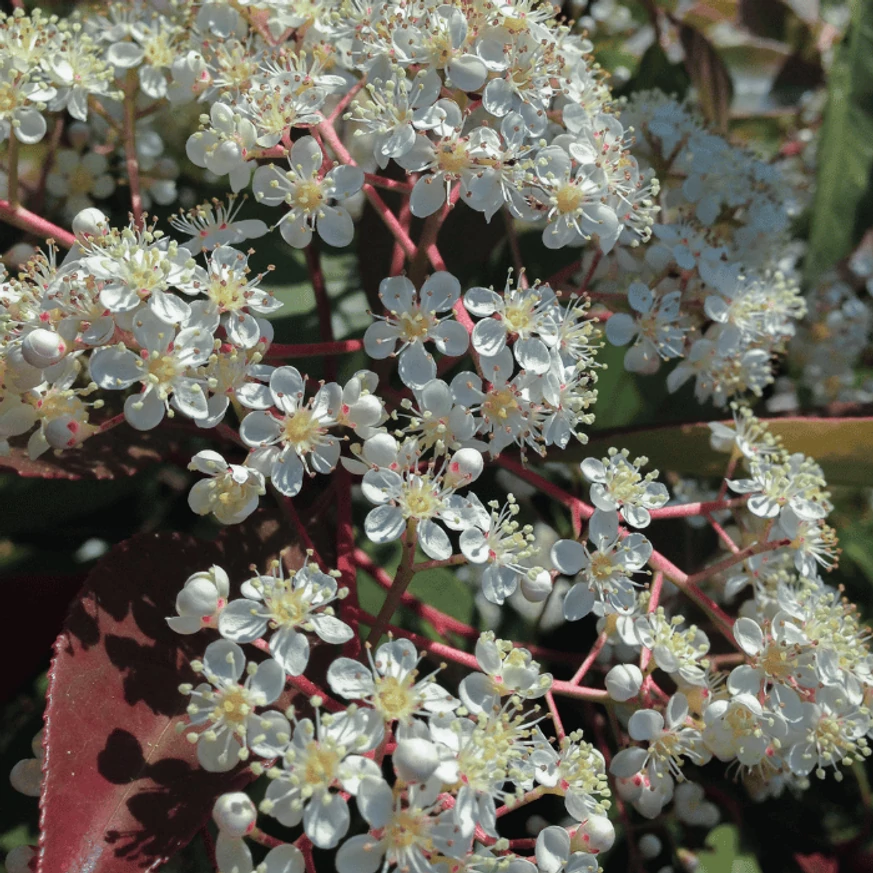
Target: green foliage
840,213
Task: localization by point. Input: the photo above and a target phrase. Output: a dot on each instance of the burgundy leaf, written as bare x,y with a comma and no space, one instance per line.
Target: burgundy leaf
709,75
116,453
122,789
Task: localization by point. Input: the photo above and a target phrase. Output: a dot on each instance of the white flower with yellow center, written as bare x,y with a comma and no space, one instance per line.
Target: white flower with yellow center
390,684
291,608
525,315
294,438
675,650
575,194
414,319
617,484
604,582
224,708
507,670
164,367
669,739
410,833
308,195
232,492
408,498
503,546
323,759
226,284
743,728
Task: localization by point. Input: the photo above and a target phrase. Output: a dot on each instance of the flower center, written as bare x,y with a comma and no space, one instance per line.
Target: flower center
232,707
500,404
162,368
452,157
406,829
601,566
395,698
301,430
322,761
568,198
518,317
308,196
289,608
228,293
414,325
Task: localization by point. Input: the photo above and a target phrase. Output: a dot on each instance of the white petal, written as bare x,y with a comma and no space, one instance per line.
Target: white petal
335,226
434,541
326,820
416,367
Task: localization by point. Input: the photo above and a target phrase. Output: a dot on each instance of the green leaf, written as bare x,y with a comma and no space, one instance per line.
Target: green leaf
846,147
723,855
656,71
843,447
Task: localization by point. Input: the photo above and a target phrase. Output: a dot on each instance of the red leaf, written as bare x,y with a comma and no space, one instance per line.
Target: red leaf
119,452
709,75
816,863
122,789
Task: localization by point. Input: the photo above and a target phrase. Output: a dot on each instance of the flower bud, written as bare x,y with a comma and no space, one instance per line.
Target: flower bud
42,348
90,222
20,376
21,859
26,777
19,254
624,682
36,745
415,759
235,814
65,432
465,467
536,590
594,835
650,846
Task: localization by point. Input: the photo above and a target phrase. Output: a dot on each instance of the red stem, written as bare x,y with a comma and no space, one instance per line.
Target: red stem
26,220
313,350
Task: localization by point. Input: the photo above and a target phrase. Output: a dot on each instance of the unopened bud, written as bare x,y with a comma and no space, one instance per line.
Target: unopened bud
235,814
65,432
415,759
594,835
465,467
90,222
41,348
624,682
26,777
21,859
650,846
536,590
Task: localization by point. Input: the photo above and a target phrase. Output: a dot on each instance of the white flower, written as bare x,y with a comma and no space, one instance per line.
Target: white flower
575,197
224,708
407,498
832,733
743,728
389,684
507,671
223,148
577,771
214,224
604,583
670,740
77,177
232,493
164,368
200,601
294,438
226,284
405,834
233,855
309,195
322,760
674,650
527,315
287,607
554,855
618,485
412,321
503,545
653,331
438,423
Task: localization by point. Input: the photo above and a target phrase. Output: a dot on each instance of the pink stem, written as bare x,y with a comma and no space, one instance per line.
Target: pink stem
313,350
23,219
590,658
579,692
130,156
687,510
556,716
